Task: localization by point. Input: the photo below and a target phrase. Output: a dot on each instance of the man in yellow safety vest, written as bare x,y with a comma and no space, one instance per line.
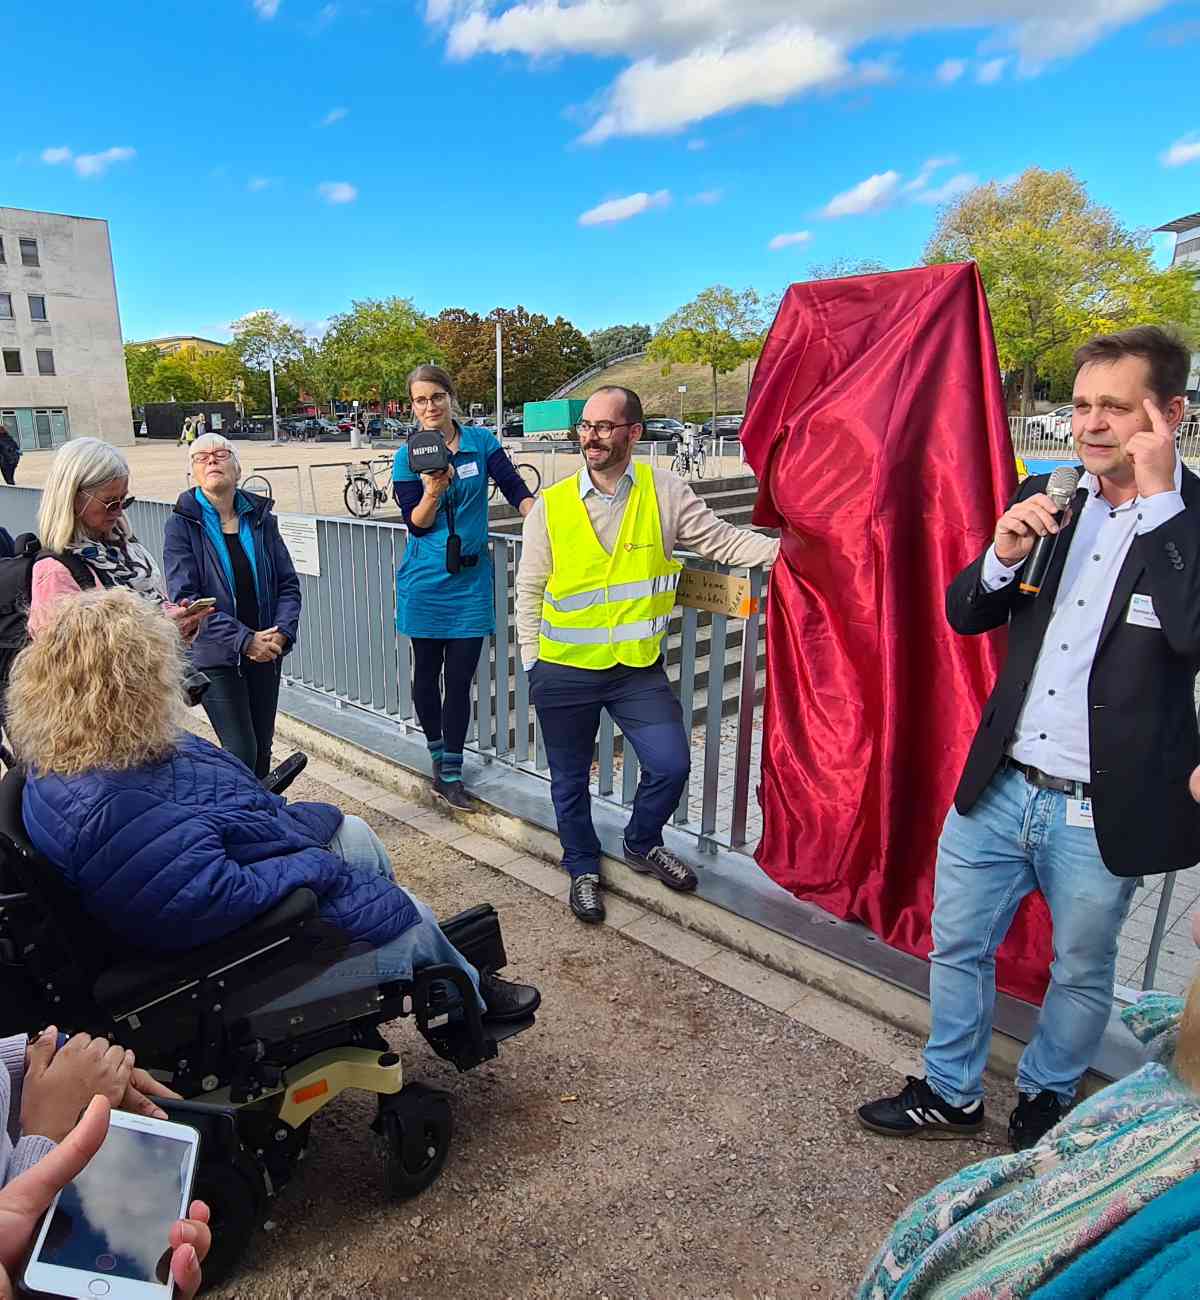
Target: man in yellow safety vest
595,589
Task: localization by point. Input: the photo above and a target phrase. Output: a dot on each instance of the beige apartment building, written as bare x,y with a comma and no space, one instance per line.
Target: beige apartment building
62,364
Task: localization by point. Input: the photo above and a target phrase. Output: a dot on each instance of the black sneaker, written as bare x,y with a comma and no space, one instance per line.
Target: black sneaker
453,793
919,1112
586,902
661,862
505,1000
1033,1118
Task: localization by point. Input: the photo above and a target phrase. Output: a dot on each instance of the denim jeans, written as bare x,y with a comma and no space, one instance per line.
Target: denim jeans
1016,839
420,945
640,700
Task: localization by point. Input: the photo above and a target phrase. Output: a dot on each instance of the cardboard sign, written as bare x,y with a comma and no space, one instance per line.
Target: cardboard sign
718,593
299,533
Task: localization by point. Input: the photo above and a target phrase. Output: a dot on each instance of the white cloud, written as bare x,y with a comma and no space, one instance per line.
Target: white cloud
327,15
338,191
266,9
925,175
622,209
1183,151
684,63
334,115
987,74
949,70
258,183
706,198
695,146
787,241
948,190
659,95
89,165
876,192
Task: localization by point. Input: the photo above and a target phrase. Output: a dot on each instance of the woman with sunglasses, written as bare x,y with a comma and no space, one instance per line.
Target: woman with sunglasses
87,539
224,543
446,615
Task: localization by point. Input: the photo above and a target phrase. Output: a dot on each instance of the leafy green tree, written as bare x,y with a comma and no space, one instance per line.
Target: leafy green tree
375,344
539,354
619,339
263,341
467,344
1058,268
140,360
721,328
318,373
172,380
216,373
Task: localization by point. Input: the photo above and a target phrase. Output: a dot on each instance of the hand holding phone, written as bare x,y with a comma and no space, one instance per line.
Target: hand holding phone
203,602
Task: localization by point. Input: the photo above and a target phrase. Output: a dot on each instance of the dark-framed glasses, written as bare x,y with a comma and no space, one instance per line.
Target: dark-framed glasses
602,427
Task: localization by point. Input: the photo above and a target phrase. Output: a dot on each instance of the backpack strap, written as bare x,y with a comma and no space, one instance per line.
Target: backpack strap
85,576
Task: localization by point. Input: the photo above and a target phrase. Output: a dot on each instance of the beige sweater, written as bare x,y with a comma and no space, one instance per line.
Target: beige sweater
687,523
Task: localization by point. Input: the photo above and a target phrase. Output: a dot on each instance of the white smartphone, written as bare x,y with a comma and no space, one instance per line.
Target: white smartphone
203,602
106,1233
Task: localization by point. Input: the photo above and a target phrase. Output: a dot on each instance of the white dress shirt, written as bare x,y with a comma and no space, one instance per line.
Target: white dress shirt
1052,729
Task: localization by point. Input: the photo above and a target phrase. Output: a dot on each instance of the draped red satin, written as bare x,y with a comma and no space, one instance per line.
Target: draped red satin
877,429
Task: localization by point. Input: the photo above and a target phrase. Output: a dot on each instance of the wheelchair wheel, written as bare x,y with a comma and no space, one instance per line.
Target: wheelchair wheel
235,1194
417,1128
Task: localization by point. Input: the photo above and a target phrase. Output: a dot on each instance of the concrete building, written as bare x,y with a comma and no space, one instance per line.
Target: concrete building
62,364
169,344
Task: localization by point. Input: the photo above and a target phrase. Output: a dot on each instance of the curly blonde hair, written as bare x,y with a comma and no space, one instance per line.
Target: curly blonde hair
99,687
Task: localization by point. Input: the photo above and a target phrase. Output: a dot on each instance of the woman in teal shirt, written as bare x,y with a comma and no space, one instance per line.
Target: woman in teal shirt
447,615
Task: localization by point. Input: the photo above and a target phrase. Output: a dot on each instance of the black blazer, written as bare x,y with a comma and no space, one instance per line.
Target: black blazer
1141,703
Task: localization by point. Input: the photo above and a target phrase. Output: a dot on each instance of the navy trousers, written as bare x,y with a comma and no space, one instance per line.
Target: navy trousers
641,702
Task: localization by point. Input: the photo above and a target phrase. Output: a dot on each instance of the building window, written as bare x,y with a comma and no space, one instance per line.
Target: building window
45,360
37,306
29,252
12,361
6,306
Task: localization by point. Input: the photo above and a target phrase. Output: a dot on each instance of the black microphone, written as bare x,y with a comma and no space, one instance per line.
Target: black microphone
1060,490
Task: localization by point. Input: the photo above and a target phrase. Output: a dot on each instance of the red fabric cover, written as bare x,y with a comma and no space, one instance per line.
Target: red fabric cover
877,429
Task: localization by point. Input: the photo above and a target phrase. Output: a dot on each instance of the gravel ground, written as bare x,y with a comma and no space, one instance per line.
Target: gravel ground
654,1135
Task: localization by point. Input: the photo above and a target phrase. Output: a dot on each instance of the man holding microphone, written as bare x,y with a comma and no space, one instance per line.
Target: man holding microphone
1077,779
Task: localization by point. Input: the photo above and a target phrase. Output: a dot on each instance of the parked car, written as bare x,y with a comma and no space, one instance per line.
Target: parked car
514,429
727,426
1055,425
658,428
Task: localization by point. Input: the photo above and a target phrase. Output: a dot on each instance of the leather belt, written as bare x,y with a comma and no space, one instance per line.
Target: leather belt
1044,781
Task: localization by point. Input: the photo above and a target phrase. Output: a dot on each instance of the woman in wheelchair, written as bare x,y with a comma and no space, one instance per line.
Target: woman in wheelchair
172,843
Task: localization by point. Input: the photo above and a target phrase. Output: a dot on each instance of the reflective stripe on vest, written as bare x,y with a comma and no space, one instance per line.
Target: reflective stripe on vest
600,609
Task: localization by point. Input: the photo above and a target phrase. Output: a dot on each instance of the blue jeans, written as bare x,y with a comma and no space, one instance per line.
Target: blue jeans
568,702
1014,840
419,946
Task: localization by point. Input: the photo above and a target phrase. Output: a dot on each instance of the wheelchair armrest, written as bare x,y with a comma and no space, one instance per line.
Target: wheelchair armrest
291,925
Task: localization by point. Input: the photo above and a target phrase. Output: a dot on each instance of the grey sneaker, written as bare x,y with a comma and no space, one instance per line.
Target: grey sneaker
454,793
586,902
661,862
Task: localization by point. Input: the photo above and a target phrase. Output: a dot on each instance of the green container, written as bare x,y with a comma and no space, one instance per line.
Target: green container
553,417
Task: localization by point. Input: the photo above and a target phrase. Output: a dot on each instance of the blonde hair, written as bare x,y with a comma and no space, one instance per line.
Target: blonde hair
215,442
100,686
80,464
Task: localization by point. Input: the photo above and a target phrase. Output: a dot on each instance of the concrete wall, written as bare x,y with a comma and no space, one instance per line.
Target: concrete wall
83,326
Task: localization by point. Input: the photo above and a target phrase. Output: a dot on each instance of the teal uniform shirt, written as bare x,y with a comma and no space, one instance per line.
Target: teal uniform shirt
429,601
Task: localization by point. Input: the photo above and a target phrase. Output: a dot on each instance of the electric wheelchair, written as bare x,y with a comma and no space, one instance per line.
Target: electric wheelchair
251,1080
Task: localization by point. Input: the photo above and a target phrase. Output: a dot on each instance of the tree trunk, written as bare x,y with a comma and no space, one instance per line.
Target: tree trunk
1027,389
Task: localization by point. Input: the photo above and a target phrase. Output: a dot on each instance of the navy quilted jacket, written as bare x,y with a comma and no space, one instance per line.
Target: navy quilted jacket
183,852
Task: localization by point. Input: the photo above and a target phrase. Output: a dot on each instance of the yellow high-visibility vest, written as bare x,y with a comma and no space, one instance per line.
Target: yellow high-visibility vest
601,610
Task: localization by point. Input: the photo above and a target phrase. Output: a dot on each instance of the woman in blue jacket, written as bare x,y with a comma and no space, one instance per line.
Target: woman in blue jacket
170,842
447,615
225,543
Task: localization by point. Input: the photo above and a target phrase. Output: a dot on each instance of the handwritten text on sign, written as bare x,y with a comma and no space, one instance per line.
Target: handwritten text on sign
299,533
719,593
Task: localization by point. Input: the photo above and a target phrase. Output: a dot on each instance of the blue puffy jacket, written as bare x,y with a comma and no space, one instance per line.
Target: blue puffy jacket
185,851
192,569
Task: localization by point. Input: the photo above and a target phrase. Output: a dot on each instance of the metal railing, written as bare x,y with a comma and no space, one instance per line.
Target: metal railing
596,368
1047,437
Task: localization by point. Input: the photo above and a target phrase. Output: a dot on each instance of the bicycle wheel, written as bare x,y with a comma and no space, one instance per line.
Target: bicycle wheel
493,490
701,458
531,476
257,483
360,496
679,464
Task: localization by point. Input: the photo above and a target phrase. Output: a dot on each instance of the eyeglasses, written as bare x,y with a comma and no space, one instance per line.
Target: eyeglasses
602,427
212,457
111,507
435,399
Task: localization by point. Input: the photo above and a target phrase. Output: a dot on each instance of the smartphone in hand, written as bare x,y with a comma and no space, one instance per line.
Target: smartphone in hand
107,1232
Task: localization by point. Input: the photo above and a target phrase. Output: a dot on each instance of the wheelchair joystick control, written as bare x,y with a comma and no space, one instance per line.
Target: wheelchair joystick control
389,1059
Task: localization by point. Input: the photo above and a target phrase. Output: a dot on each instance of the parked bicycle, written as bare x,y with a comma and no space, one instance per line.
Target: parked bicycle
259,484
368,486
689,460
531,476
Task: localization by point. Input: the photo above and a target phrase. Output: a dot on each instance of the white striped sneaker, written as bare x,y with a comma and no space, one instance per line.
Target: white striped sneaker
919,1112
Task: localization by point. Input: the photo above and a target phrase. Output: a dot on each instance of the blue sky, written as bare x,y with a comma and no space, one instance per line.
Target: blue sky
603,159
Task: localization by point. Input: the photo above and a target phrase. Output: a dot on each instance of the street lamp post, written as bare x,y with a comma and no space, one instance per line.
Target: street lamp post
274,405
682,390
